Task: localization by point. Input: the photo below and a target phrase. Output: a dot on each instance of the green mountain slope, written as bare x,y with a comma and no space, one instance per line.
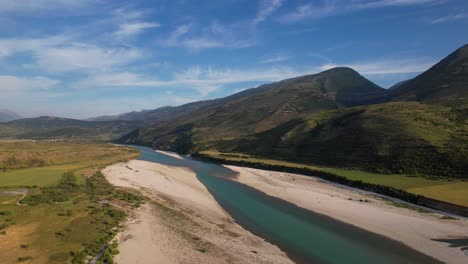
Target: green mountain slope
47,127
403,137
256,110
445,83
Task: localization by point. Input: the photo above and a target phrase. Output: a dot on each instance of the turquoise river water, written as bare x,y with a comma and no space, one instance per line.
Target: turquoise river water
306,237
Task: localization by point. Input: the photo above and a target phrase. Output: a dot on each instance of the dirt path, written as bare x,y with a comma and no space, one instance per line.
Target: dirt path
22,192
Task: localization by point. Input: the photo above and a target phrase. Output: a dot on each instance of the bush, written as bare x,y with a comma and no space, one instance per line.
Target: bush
23,259
5,213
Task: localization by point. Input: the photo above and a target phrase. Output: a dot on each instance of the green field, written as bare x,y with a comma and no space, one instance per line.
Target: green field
63,220
444,189
29,163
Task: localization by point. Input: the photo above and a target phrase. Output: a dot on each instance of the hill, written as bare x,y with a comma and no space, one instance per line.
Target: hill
259,109
445,83
156,115
7,115
47,127
400,137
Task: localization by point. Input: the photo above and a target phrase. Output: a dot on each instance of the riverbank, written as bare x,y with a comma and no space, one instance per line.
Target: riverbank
413,228
439,193
170,153
182,222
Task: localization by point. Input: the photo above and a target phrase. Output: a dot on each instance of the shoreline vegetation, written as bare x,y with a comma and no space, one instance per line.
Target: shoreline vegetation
70,213
439,194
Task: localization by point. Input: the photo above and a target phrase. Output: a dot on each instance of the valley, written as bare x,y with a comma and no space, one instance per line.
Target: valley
234,132
400,153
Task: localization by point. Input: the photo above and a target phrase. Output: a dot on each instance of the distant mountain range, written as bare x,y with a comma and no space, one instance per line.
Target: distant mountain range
7,115
156,115
49,127
333,118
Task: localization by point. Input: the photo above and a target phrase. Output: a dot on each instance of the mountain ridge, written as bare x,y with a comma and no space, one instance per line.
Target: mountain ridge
444,83
7,115
258,109
336,118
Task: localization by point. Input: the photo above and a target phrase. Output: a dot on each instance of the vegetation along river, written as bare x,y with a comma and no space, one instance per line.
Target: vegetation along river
307,237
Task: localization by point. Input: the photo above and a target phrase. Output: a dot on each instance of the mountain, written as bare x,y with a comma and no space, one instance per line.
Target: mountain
156,115
398,137
259,109
445,83
48,127
336,118
6,115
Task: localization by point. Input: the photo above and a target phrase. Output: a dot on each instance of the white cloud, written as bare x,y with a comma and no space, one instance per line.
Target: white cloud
309,11
174,38
10,83
450,18
37,5
386,3
385,67
128,30
327,8
267,7
214,36
202,79
84,57
61,54
208,79
125,14
9,47
276,59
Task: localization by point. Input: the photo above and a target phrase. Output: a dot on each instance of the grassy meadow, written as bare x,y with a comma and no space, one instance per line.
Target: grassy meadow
42,163
67,214
441,188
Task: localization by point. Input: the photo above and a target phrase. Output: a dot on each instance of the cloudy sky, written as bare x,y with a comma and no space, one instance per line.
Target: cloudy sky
93,57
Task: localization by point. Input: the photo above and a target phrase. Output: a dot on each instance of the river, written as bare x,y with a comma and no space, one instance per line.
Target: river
306,237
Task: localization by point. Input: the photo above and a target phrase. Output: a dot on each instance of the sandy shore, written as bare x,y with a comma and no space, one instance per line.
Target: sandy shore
182,223
169,153
413,228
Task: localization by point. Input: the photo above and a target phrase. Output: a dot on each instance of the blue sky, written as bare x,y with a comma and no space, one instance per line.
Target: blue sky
93,57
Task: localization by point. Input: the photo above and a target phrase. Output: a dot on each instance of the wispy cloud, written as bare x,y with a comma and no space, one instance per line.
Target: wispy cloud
128,30
85,57
205,80
9,83
267,7
11,46
276,59
131,22
310,11
178,39
386,66
325,8
450,18
365,4
215,36
61,54
39,5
